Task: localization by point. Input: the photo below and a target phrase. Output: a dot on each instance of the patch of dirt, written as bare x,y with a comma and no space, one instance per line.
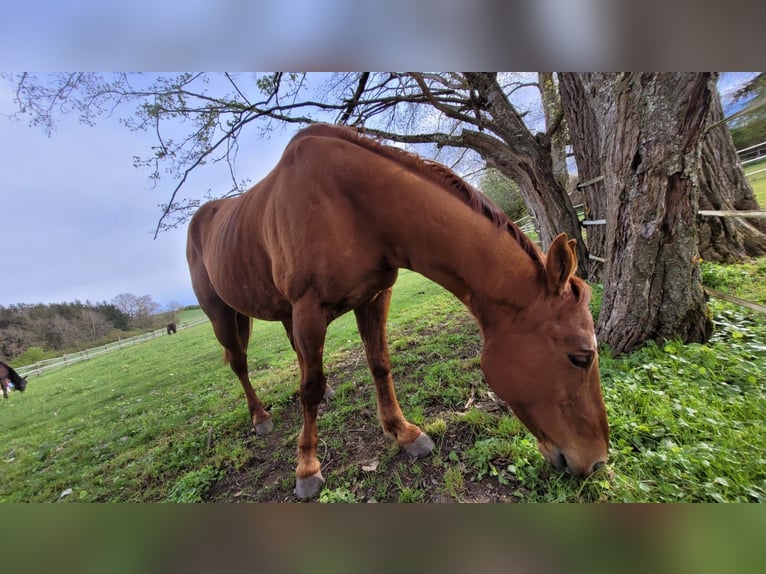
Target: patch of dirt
367,463
364,462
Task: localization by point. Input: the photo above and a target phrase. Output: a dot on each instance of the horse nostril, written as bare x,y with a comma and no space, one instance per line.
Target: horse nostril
598,466
562,461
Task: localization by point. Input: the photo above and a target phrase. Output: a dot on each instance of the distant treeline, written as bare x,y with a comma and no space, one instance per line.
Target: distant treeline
43,328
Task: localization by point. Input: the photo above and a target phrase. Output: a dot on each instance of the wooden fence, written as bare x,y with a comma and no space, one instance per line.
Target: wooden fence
705,213
72,358
752,154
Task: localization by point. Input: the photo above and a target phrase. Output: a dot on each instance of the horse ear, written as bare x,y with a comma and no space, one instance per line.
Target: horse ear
560,264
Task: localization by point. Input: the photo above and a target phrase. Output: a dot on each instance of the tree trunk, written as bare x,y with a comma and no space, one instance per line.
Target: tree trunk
525,159
556,124
650,138
725,187
585,135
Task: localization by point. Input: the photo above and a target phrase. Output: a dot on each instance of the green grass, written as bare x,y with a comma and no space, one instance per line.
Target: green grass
167,421
758,181
744,280
35,354
189,315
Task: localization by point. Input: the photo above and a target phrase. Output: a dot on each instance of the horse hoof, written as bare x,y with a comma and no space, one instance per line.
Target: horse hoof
308,487
420,447
265,427
329,393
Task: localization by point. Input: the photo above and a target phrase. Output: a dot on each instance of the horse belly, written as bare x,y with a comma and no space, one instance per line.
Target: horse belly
257,298
245,285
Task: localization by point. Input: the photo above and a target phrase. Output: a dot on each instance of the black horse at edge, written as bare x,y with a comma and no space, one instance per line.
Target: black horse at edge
7,374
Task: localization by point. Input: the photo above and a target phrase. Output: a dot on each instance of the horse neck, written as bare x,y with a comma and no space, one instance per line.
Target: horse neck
482,265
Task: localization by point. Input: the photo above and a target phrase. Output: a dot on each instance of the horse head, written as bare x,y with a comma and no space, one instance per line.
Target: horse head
544,364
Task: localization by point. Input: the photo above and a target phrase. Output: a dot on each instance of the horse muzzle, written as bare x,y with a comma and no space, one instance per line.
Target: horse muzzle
558,460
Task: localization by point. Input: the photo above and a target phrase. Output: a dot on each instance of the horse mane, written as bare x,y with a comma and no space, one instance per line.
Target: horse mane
437,173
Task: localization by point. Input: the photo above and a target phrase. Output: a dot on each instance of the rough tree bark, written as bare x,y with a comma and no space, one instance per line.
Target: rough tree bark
585,134
725,187
554,117
526,159
650,140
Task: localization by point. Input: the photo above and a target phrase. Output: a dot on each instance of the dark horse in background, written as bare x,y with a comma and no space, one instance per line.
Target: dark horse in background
171,328
325,233
8,375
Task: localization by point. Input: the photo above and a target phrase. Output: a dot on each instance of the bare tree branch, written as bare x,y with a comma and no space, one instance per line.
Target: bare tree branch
449,111
413,108
355,99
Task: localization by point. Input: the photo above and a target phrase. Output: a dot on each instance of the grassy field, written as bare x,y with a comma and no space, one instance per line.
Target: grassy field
758,181
189,315
167,420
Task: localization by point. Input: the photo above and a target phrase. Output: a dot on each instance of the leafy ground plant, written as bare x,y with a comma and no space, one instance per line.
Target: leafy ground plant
167,421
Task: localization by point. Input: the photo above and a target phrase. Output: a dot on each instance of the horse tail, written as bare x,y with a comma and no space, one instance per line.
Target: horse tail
244,328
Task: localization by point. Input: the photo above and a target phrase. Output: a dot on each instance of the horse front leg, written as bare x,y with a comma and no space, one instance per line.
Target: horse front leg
371,321
309,327
288,324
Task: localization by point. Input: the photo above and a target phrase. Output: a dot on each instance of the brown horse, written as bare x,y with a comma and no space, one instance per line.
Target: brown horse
326,232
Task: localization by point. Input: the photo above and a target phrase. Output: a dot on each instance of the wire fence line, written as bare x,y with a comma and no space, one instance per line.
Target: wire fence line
747,155
713,293
752,154
72,358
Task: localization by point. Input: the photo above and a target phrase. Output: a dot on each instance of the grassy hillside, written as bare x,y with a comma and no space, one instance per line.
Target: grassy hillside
190,315
758,181
167,421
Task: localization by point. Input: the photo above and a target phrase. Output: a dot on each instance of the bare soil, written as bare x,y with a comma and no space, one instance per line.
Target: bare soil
369,464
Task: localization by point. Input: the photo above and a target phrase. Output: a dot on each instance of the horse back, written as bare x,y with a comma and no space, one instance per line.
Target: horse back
229,264
309,225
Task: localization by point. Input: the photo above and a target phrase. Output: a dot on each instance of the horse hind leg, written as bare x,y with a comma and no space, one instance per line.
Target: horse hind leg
232,330
371,321
262,423
309,327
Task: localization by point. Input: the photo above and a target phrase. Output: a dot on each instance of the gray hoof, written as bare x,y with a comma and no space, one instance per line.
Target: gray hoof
309,486
420,447
265,427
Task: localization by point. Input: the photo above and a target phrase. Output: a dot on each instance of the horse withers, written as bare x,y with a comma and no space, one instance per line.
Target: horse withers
8,375
325,233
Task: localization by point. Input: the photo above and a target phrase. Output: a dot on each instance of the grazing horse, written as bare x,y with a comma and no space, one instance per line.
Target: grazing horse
171,328
326,231
7,374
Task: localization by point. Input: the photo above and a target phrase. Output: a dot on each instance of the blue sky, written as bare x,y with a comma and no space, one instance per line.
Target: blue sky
78,217
729,82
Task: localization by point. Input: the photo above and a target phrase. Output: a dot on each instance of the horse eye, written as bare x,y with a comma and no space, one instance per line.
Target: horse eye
581,361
